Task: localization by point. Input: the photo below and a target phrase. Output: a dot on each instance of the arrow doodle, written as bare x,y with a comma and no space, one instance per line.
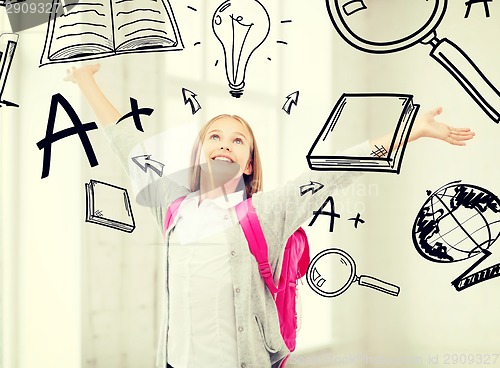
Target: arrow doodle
312,187
190,97
291,99
145,162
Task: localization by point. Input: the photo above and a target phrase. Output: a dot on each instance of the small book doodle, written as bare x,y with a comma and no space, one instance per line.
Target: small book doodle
355,118
97,29
109,205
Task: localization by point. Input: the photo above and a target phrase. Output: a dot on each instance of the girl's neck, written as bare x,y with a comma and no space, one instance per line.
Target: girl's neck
207,191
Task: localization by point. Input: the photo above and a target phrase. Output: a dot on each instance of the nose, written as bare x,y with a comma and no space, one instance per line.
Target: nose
224,148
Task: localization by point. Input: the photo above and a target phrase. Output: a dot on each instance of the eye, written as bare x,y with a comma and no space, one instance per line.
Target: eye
215,137
238,141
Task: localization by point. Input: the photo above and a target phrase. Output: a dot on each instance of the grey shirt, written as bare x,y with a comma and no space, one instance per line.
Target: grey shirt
280,211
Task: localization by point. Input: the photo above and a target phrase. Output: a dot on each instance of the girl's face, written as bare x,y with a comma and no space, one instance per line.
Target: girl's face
228,140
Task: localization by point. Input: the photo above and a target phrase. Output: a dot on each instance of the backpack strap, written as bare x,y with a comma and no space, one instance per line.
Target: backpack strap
304,259
172,211
250,224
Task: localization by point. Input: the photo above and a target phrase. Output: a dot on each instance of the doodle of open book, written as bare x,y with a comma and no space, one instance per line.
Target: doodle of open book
8,43
91,30
109,205
357,117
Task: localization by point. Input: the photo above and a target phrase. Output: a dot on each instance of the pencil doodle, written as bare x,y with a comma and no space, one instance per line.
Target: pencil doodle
357,220
398,110
241,27
135,113
332,271
145,162
189,97
78,128
469,3
108,205
23,14
350,17
291,99
8,43
91,30
458,222
312,187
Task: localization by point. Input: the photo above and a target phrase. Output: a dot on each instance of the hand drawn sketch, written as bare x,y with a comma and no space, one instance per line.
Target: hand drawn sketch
350,17
312,187
78,128
333,215
241,27
469,3
109,205
91,30
333,270
189,97
291,99
8,43
399,110
145,162
458,222
135,113
357,220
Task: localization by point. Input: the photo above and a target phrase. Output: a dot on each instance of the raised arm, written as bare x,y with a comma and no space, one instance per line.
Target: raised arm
84,77
286,208
426,126
156,193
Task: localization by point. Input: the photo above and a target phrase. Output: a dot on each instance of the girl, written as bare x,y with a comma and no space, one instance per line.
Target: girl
218,311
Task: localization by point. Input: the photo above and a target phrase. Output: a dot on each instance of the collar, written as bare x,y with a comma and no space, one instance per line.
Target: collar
224,202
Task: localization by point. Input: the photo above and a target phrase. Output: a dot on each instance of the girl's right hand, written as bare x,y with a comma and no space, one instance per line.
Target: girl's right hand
81,74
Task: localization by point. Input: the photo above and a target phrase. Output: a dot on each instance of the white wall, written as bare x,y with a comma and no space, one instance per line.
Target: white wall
79,295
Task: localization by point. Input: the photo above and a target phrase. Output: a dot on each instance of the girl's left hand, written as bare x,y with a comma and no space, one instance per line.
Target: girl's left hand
426,126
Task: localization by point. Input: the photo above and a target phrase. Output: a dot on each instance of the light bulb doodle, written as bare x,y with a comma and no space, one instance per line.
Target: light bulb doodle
241,27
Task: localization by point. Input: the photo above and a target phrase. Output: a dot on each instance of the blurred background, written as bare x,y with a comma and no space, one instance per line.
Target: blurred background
75,294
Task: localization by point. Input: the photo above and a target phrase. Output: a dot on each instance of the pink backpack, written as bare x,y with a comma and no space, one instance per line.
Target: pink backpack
295,263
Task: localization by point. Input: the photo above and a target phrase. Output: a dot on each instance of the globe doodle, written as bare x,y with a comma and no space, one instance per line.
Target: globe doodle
458,221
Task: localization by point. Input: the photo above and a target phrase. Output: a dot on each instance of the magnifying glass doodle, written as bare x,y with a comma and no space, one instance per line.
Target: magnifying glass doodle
333,270
350,19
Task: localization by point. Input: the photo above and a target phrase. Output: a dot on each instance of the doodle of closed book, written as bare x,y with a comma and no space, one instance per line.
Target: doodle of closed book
355,118
90,30
109,205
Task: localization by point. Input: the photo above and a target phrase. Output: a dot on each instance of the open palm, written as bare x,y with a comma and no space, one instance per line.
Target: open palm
427,126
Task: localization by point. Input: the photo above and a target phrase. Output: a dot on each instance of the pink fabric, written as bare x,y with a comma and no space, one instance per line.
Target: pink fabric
295,263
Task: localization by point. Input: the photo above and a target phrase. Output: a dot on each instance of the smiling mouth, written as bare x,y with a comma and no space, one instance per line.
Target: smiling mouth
223,159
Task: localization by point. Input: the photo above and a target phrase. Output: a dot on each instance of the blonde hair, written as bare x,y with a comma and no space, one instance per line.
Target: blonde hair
253,181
